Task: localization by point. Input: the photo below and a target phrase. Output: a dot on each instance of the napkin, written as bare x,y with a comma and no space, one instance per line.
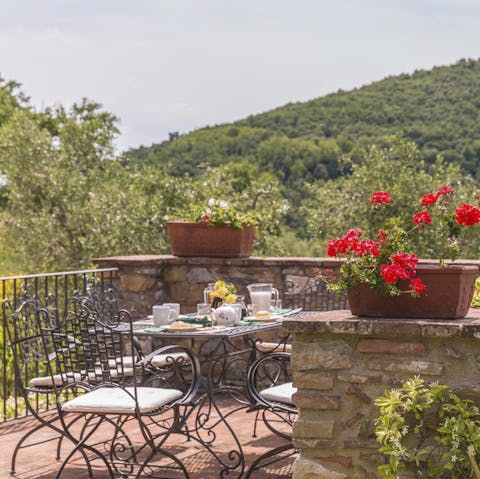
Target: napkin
155,330
194,319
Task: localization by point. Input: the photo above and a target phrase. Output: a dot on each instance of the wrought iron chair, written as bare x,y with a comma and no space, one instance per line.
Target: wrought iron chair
23,327
105,384
270,386
103,303
314,297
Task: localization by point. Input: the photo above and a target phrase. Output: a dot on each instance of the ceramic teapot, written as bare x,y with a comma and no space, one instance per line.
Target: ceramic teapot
224,316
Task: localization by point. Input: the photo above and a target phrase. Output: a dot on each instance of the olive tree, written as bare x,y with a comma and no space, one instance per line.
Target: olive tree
69,198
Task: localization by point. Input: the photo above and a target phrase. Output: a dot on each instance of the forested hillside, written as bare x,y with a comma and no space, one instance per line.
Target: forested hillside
438,109
306,169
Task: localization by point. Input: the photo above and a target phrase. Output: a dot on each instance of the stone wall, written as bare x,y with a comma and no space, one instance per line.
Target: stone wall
143,281
342,363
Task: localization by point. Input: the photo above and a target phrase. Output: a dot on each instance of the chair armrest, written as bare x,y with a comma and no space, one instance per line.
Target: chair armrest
175,365
270,372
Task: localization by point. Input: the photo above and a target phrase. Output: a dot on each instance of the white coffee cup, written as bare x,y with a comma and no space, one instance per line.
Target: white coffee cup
175,307
163,315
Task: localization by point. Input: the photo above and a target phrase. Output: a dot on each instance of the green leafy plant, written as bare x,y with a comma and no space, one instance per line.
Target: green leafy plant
427,429
476,295
386,263
221,213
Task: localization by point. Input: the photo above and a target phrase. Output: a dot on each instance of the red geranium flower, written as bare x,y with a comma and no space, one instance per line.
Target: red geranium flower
336,246
349,242
382,236
381,197
422,217
417,286
391,273
428,199
467,214
367,247
353,233
406,261
445,190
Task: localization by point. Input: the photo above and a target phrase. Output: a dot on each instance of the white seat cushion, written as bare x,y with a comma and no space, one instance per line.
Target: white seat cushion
162,360
158,361
127,362
110,400
274,347
282,393
112,374
58,380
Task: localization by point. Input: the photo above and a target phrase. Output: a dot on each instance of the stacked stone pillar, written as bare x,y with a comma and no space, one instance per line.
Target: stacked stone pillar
342,363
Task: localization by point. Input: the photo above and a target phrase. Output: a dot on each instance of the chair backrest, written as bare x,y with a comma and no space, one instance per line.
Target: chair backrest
30,353
91,353
315,297
88,350
101,301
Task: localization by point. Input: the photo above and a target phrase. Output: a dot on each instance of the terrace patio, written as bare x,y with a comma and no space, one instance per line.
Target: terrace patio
38,462
342,365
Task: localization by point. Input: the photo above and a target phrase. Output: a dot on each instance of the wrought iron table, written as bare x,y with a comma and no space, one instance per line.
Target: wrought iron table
223,352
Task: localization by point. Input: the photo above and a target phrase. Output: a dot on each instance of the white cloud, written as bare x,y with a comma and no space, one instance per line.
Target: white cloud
164,66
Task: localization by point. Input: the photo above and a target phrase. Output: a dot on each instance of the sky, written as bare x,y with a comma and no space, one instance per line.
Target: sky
165,66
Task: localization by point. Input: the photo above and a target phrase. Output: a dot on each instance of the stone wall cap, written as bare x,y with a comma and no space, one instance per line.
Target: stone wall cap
343,322
252,260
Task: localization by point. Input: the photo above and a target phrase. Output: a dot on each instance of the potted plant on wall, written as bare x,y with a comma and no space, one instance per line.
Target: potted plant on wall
216,230
382,276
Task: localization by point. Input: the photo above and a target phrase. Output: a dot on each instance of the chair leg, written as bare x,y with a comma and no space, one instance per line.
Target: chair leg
42,424
165,453
19,445
255,422
60,439
80,446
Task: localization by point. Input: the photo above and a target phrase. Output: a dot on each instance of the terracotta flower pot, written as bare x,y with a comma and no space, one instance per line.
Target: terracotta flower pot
448,296
199,239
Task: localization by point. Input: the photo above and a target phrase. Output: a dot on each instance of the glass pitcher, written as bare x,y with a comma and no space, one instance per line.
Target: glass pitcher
261,296
208,294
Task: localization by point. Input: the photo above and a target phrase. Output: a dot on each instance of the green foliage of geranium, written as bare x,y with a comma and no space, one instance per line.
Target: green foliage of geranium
428,430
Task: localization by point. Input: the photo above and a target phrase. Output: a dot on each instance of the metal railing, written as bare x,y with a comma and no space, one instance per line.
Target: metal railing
54,290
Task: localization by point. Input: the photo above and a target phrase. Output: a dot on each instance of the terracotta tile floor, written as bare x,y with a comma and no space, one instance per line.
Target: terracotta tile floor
38,461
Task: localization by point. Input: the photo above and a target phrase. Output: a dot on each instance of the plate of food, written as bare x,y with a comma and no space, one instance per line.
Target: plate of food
263,317
182,327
